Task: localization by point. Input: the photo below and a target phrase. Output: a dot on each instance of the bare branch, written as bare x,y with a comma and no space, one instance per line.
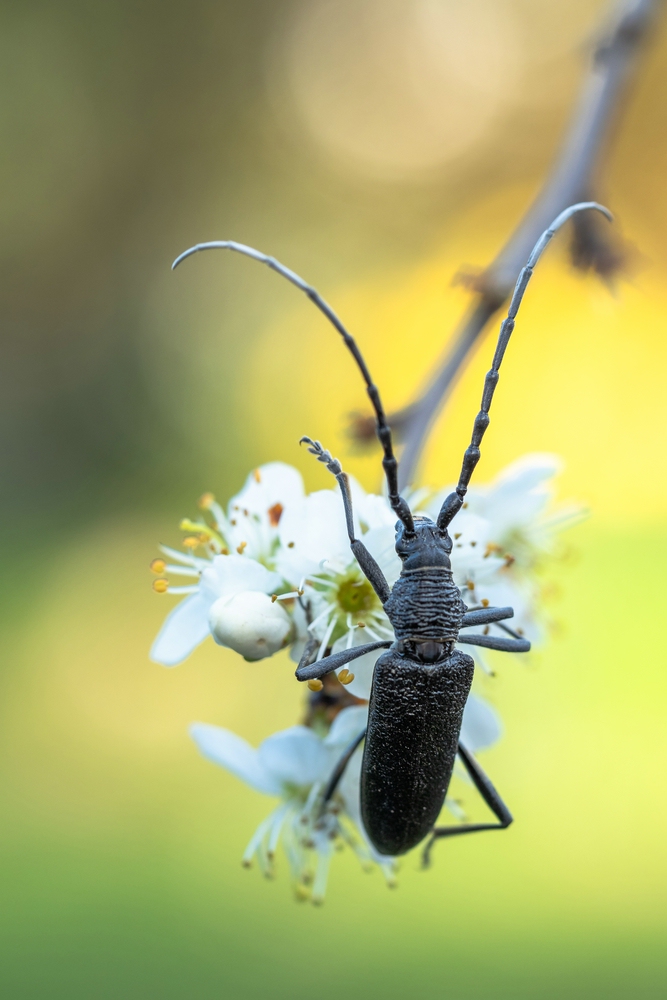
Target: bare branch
571,180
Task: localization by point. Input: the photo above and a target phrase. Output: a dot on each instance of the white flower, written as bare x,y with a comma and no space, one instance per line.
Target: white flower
294,766
343,608
220,578
250,532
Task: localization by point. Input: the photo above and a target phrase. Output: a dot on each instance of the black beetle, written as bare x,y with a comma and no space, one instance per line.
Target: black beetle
421,683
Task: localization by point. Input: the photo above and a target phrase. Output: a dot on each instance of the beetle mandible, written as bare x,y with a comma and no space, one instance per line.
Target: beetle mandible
421,682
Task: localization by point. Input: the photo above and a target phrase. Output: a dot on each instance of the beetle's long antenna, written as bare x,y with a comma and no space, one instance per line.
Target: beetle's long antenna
454,501
389,462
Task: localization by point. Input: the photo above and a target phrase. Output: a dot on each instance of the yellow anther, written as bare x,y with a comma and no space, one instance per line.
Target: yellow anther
361,624
345,677
470,585
457,535
290,545
274,598
161,586
240,548
205,501
509,559
491,547
204,537
191,541
257,476
486,630
473,544
158,566
484,602
315,684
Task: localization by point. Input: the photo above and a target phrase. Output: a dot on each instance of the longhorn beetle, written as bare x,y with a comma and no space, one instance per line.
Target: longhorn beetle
421,683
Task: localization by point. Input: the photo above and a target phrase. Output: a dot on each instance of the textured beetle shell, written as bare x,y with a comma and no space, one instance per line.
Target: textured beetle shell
414,722
425,603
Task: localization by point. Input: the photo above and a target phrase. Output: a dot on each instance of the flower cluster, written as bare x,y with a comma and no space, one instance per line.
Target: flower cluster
274,571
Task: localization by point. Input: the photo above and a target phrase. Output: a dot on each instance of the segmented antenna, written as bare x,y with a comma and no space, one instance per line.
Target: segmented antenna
389,462
454,501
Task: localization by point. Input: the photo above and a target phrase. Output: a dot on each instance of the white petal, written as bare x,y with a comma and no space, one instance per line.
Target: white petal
233,574
311,531
381,543
235,755
184,628
481,725
346,726
295,756
270,484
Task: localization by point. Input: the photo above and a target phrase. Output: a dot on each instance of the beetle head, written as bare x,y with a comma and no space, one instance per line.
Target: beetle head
427,545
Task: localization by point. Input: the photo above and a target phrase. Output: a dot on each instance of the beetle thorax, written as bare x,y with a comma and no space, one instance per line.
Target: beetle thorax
425,607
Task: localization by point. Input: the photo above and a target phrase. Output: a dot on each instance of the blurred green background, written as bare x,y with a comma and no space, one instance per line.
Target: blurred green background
376,147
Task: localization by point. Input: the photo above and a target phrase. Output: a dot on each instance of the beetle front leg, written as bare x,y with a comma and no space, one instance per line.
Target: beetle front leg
493,800
368,565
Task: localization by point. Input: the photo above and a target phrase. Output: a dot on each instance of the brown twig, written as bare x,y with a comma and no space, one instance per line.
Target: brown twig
571,180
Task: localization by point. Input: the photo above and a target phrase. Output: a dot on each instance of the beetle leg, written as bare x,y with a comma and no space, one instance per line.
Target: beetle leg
339,770
368,565
484,616
490,796
324,666
517,645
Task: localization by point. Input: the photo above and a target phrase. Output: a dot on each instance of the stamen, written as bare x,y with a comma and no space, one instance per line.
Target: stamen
181,570
345,677
191,542
240,547
509,559
484,602
161,586
327,635
158,566
275,513
205,501
323,614
315,684
257,475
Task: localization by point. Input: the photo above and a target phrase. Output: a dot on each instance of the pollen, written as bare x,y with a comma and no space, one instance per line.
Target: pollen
275,513
315,684
161,586
241,547
257,475
345,677
158,566
205,501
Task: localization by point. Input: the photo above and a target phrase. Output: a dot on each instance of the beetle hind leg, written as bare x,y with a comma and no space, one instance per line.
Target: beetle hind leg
493,800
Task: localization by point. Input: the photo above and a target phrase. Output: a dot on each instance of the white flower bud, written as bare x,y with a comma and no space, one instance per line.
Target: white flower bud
250,623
